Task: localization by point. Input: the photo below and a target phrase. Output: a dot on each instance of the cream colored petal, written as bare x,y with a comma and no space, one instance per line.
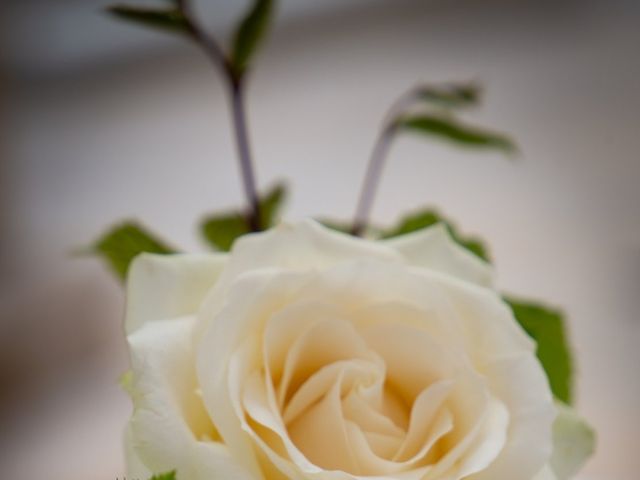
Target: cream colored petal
212,460
318,384
160,287
372,463
470,403
295,247
326,342
170,429
545,474
573,442
414,360
263,411
423,414
520,383
251,301
434,249
164,391
275,439
320,434
426,316
489,327
489,442
368,418
368,462
301,246
286,326
383,446
134,466
468,317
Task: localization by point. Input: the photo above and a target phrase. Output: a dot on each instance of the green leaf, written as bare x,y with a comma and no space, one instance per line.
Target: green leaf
546,327
271,204
250,32
221,230
120,245
426,218
450,96
165,476
171,20
449,129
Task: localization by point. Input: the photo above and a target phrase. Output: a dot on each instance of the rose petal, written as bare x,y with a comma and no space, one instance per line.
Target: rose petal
320,433
433,248
301,246
347,372
521,384
423,413
326,342
252,300
545,474
161,287
573,442
414,360
133,465
370,419
170,429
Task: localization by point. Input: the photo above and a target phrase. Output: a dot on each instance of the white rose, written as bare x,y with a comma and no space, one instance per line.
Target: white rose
309,354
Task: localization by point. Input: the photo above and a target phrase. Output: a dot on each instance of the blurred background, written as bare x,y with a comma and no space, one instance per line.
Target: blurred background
102,121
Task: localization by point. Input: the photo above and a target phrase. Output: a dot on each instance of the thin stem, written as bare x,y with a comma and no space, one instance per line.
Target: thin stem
244,155
235,84
372,180
377,161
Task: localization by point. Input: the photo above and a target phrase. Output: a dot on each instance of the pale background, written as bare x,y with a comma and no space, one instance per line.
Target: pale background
101,121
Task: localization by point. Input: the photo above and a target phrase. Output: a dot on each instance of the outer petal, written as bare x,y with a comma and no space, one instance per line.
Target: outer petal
170,428
545,474
573,442
433,248
520,383
300,246
168,286
295,247
134,466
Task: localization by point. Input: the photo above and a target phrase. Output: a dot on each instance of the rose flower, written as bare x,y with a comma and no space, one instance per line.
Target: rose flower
309,354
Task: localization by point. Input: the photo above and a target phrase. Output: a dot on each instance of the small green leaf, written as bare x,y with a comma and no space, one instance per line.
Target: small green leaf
171,20
449,129
221,230
120,245
165,476
546,327
271,204
427,218
250,32
450,96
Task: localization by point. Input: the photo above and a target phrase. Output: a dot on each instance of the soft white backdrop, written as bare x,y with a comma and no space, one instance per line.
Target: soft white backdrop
97,129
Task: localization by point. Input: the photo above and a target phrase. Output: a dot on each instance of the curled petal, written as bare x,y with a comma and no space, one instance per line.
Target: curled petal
434,249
